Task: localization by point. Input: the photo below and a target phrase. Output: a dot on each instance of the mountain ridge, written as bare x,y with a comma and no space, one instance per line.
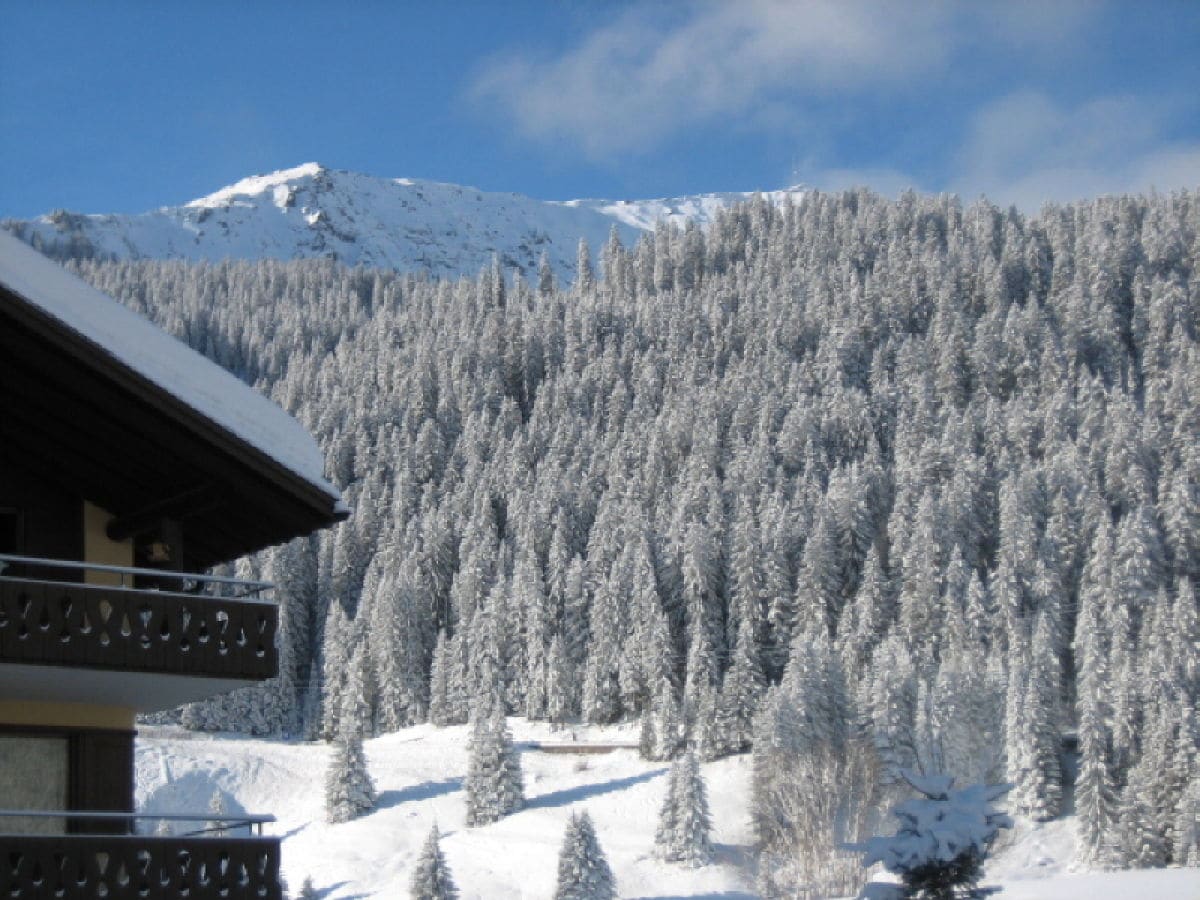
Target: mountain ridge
314,211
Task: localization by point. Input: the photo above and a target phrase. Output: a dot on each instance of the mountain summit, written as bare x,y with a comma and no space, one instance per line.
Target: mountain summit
312,211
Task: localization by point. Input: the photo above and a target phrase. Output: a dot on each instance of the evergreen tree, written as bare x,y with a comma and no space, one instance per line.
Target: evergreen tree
684,822
1186,849
494,786
1095,791
441,703
558,683
601,688
349,791
1034,738
661,736
740,693
583,871
431,879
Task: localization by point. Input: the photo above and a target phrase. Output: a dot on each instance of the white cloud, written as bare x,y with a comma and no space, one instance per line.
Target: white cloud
638,80
1026,149
799,68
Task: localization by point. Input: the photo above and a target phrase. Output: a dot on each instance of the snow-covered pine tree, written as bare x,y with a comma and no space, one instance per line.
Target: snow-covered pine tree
740,693
684,821
1186,848
558,683
349,790
431,878
399,639
334,668
1095,791
701,671
359,693
664,724
494,786
583,870
441,706
1036,769
601,690
311,715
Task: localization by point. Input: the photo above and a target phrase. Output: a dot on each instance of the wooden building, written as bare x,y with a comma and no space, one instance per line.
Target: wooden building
128,465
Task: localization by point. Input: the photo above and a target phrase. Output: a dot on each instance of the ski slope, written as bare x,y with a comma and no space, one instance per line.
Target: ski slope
418,773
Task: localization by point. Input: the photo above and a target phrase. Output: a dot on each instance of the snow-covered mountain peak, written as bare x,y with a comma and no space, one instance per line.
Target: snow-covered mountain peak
312,210
256,185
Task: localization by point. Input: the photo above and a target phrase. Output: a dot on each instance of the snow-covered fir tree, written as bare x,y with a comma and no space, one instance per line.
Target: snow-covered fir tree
740,693
684,822
431,878
349,790
494,786
583,870
661,736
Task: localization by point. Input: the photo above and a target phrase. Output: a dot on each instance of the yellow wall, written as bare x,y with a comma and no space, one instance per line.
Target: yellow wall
97,548
71,715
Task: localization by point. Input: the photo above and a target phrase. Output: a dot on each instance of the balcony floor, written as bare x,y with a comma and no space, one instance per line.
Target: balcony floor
139,691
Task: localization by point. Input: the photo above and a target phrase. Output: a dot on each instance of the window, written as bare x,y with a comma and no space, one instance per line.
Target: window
33,775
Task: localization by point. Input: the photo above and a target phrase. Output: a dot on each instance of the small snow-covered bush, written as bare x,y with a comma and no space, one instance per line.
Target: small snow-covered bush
942,843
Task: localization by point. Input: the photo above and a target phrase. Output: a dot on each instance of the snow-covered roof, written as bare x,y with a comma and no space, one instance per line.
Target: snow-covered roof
164,361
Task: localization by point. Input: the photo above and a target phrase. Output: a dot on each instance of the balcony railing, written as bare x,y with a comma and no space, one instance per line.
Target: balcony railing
149,620
199,864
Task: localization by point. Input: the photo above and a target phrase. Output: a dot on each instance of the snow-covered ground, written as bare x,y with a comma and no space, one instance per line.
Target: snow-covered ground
418,774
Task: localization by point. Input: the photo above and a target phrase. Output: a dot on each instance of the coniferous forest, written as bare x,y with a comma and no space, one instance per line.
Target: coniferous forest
859,484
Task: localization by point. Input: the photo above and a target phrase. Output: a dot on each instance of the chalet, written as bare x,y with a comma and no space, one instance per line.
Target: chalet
129,466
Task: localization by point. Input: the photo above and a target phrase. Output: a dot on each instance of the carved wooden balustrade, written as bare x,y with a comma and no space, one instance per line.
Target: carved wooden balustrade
135,629
120,866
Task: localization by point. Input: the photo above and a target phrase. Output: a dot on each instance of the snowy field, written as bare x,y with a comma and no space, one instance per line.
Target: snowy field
418,774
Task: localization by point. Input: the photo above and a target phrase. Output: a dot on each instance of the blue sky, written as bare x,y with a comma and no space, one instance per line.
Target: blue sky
124,106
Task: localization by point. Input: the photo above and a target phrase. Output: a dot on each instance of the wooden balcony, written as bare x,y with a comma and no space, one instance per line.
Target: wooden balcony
205,636
197,865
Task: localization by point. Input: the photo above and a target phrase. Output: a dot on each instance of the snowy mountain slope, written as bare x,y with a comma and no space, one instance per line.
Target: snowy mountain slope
313,211
418,774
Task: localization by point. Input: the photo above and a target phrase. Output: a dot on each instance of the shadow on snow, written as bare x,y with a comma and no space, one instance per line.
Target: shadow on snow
426,790
583,792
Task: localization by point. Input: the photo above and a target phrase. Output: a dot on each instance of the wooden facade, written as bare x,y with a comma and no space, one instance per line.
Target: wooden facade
114,492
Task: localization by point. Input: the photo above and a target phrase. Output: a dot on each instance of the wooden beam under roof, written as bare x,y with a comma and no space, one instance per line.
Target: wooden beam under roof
126,444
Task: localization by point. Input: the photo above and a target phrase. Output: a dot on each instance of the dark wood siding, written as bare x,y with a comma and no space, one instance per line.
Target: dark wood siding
51,518
102,775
